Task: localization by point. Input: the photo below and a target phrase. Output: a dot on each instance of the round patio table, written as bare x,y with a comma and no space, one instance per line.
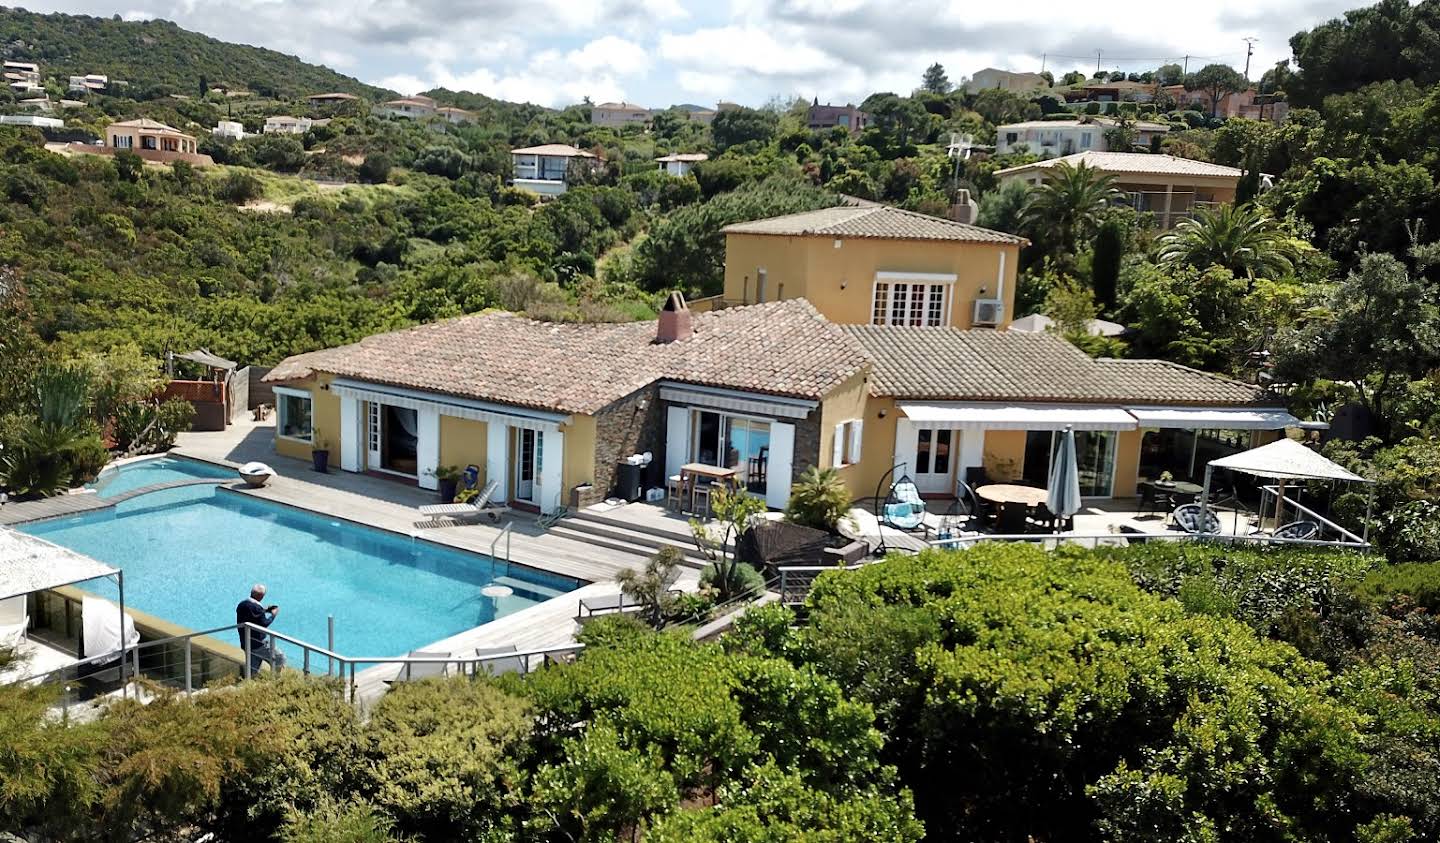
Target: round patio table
1013,493
1179,487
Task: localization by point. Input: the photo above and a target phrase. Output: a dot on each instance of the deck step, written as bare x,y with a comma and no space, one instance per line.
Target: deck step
675,529
635,543
616,529
520,585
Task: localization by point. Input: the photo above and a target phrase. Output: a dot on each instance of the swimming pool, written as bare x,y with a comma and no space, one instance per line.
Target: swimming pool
117,480
191,553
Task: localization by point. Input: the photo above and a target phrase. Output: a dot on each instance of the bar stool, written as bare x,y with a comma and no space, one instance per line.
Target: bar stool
675,491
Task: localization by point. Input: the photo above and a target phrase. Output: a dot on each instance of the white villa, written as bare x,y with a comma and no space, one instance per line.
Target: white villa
1053,138
284,124
544,169
680,163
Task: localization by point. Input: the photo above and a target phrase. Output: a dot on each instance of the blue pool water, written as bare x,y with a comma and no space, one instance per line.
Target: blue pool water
191,553
121,479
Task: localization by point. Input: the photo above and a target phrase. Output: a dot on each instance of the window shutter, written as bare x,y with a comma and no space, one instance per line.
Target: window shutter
837,447
856,428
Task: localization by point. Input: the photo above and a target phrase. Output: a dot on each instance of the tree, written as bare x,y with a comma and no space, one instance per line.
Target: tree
1241,238
650,586
1067,207
1003,209
1121,135
1169,74
736,126
733,509
1105,259
1216,80
935,81
1388,40
1377,329
1073,77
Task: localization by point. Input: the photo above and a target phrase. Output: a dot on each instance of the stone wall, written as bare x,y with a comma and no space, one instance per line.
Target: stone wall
634,424
807,443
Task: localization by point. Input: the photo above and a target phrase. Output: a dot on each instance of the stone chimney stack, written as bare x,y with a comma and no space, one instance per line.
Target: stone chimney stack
674,319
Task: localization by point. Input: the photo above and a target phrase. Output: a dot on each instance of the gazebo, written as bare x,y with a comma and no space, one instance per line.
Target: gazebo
29,564
1285,460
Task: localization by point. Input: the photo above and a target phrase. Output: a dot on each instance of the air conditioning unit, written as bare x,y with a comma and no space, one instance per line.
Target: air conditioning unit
988,312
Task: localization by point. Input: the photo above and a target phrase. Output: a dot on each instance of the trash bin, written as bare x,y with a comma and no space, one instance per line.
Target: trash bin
628,482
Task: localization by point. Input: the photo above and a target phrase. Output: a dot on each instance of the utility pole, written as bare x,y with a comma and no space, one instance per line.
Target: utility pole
1186,71
1249,51
1043,57
1097,62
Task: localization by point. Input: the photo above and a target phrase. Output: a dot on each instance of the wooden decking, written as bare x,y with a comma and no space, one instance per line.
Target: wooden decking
61,505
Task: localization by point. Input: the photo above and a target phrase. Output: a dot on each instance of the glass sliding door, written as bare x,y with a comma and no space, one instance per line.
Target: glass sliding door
736,442
1094,456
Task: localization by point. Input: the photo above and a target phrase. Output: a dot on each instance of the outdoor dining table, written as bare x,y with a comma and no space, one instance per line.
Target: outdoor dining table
1002,493
712,474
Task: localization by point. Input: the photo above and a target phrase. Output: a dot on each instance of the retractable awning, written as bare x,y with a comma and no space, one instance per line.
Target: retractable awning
997,416
1214,418
740,402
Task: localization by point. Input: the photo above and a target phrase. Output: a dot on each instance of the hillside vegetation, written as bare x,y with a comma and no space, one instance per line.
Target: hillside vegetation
157,57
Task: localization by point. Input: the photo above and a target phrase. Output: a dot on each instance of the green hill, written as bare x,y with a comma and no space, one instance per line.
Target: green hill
158,58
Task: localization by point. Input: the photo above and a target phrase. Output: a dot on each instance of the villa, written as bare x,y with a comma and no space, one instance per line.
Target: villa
151,140
545,169
617,115
1171,188
679,164
284,124
1051,138
409,108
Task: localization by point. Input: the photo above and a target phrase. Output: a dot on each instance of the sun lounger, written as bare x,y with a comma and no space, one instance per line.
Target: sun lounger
414,672
496,667
481,505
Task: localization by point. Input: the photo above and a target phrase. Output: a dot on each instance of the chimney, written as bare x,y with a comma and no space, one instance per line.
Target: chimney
964,209
674,319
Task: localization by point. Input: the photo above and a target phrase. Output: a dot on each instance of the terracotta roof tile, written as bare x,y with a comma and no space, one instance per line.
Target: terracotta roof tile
952,364
872,220
1131,162
781,348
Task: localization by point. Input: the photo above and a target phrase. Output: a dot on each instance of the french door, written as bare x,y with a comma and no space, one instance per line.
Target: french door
935,459
374,435
528,444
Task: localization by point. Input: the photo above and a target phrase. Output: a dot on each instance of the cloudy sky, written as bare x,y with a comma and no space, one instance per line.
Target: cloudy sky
663,52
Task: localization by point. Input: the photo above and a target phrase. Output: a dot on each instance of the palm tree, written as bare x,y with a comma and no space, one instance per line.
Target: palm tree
1070,204
1243,239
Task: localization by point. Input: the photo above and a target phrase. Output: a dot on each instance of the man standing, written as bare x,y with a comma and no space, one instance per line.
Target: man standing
262,647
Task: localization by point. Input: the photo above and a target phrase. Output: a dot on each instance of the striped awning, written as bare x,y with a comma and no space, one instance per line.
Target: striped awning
1214,418
999,416
739,402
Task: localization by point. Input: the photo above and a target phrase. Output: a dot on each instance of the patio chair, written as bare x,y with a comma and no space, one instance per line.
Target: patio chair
675,492
425,670
1191,518
700,492
480,505
498,667
1299,530
1011,519
1155,499
14,618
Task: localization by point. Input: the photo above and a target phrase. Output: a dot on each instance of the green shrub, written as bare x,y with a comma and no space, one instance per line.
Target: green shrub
1410,532
820,499
445,758
733,579
354,822
239,187
1412,584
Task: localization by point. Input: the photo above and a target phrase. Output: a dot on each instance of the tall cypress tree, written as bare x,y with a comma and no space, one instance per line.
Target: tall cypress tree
1105,263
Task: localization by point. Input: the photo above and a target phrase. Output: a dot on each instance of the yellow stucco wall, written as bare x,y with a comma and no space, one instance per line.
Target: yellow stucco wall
840,282
877,452
463,442
579,464
1004,454
844,403
324,420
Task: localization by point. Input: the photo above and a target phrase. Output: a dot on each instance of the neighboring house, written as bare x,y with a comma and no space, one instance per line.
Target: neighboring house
90,83
38,103
545,169
232,129
409,108
1051,138
618,114
990,77
1170,188
874,264
707,115
455,115
768,390
680,163
1249,104
828,116
331,99
152,141
1121,90
23,76
32,120
284,124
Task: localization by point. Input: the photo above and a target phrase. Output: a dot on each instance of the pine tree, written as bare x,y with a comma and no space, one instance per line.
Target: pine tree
935,80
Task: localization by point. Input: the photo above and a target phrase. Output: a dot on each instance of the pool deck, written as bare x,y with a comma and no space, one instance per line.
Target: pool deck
24,512
391,505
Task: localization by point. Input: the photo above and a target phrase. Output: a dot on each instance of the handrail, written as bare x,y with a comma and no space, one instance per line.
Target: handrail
1296,505
504,534
1166,536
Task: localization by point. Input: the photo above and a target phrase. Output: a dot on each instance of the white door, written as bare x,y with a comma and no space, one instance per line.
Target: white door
374,434
527,457
935,452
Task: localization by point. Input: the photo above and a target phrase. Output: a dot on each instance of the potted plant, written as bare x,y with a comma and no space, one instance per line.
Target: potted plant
448,477
1166,479
320,454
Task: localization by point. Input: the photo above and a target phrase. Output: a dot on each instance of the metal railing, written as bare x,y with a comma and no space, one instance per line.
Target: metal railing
504,534
179,664
795,581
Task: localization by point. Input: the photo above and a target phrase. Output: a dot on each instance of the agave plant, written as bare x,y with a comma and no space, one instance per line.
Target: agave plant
1243,239
63,446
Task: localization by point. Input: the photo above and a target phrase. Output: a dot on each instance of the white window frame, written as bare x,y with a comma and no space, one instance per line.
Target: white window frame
847,442
883,303
288,392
